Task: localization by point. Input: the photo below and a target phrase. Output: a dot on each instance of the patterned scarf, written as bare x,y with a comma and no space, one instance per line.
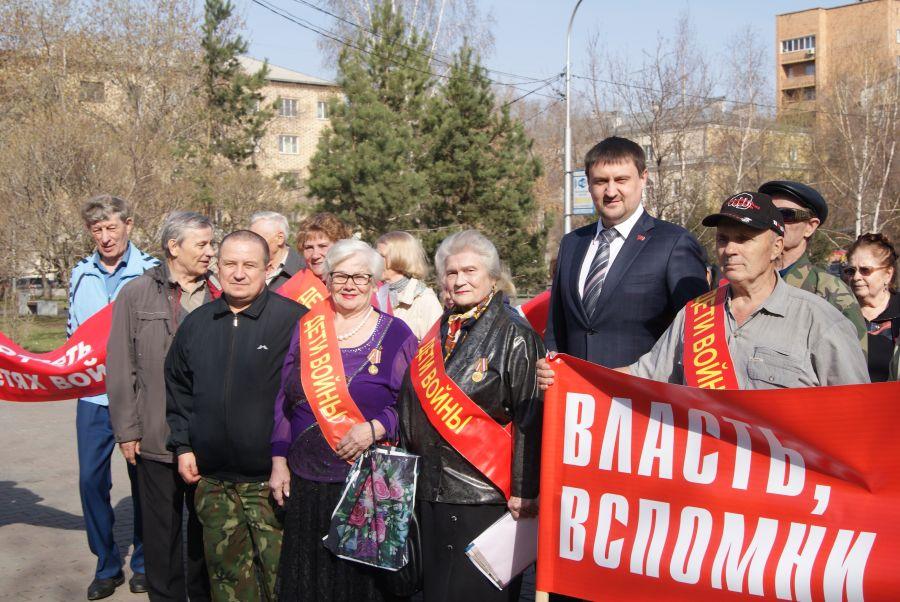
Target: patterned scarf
395,288
456,321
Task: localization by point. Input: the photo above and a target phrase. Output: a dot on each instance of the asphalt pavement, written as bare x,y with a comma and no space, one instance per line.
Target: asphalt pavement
44,552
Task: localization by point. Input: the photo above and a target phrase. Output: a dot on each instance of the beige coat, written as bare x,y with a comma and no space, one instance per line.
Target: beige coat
419,312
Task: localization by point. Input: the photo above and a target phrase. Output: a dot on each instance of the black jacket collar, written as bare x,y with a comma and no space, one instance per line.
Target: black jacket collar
253,311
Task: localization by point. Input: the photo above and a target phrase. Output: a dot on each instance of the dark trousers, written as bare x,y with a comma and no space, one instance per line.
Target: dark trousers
96,443
164,495
449,575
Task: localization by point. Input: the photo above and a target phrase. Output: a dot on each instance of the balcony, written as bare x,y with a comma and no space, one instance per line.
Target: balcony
802,81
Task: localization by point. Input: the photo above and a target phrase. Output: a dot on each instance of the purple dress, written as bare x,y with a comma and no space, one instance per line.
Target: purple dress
296,434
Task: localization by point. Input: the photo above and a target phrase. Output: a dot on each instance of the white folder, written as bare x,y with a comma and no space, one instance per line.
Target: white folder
505,549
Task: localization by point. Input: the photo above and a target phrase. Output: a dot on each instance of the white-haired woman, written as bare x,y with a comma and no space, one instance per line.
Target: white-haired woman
310,456
405,268
471,409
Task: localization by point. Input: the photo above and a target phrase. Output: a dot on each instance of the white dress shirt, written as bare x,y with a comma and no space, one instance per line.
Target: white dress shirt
623,229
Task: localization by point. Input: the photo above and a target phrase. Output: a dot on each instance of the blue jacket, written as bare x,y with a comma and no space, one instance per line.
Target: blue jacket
87,291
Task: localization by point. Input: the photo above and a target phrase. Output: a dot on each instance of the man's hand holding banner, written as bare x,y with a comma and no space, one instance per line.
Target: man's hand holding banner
663,492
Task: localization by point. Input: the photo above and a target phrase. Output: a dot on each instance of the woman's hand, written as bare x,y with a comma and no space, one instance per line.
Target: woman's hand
358,439
280,481
522,508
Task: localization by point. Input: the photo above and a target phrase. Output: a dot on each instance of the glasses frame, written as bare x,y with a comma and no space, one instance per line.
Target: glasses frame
343,277
864,270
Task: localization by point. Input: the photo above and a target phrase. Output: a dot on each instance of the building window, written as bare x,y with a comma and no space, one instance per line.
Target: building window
322,109
792,153
898,36
797,44
92,92
648,152
809,93
287,107
289,180
800,69
288,145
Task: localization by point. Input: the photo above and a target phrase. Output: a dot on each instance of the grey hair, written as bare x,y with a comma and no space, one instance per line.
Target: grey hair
248,236
344,249
468,240
274,217
176,225
103,207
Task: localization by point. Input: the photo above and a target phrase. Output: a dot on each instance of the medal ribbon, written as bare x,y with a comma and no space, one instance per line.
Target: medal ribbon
460,421
707,361
322,375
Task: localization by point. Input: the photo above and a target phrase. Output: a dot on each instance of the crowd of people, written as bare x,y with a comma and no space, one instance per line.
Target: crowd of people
209,404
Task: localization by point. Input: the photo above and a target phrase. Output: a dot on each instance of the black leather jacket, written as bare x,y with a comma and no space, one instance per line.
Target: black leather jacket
508,393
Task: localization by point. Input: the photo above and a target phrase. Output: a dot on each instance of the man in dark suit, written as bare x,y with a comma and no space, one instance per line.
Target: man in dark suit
620,281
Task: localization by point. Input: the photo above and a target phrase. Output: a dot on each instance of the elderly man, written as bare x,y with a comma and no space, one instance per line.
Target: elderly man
776,335
284,261
804,210
222,373
145,318
95,282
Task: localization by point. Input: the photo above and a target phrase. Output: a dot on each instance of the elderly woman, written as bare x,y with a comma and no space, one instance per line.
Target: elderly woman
409,297
310,456
471,408
871,272
315,235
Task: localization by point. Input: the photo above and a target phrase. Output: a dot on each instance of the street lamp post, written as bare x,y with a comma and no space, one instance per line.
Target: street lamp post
567,202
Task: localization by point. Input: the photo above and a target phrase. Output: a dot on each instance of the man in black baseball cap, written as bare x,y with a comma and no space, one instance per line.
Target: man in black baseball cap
776,335
804,210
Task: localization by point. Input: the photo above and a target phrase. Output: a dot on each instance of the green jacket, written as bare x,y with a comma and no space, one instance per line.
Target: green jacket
803,274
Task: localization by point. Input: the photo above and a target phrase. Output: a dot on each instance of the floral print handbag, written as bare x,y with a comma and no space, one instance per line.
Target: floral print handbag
370,523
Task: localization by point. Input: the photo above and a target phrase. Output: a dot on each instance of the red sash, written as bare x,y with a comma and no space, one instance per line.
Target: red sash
305,288
459,420
322,375
707,361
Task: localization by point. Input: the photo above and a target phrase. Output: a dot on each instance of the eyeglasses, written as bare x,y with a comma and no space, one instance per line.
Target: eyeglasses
793,216
864,270
358,279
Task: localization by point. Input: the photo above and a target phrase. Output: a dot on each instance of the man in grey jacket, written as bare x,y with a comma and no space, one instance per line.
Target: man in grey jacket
146,315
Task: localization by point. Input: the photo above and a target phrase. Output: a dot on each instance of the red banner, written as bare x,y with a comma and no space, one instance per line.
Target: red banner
652,491
78,368
536,311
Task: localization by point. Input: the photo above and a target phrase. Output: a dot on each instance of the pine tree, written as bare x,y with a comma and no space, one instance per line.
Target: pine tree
235,118
368,167
481,171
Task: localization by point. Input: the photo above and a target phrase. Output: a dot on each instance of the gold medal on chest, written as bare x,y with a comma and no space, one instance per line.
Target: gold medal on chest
481,367
374,358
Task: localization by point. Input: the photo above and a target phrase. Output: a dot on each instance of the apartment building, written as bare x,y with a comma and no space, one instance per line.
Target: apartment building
813,46
300,117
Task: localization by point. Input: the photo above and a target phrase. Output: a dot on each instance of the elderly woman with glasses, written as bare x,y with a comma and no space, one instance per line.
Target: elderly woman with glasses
471,409
871,272
310,456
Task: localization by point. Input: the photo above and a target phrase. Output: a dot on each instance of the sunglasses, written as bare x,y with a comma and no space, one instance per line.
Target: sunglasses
863,270
792,216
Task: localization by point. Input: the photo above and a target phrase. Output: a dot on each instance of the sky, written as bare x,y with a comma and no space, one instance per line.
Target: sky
530,35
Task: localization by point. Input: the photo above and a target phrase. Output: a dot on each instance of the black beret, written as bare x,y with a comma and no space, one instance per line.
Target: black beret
805,195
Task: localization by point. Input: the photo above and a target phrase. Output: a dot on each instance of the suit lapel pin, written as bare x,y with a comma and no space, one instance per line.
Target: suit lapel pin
641,237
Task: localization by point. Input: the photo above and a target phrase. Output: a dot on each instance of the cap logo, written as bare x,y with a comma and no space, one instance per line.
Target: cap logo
741,201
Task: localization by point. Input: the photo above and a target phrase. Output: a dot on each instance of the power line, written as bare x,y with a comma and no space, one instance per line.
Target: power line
443,59
334,37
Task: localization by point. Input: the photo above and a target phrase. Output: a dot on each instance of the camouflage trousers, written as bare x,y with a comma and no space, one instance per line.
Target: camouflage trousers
241,539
